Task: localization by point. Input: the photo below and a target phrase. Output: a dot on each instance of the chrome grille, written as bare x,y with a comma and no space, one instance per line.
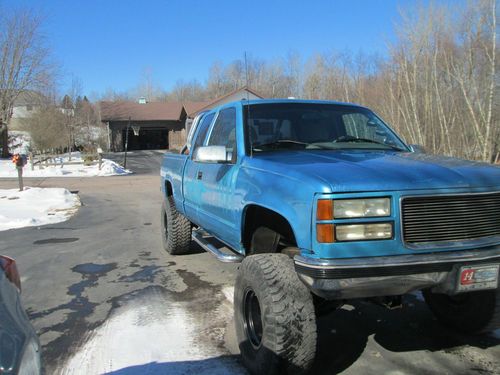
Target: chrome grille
450,218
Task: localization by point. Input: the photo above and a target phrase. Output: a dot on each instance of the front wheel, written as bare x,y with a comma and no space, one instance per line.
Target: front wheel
471,313
274,316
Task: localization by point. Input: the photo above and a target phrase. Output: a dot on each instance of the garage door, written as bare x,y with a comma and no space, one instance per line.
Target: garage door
148,139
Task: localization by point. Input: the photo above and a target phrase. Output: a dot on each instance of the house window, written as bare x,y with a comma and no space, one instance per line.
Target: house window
29,107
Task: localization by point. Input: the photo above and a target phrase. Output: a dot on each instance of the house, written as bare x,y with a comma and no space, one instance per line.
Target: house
162,125
25,105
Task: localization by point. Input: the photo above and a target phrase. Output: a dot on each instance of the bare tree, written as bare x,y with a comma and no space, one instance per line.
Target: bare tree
147,87
187,91
24,62
88,131
442,80
111,95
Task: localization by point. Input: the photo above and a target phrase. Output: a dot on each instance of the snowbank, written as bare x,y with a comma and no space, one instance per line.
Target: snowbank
108,168
36,206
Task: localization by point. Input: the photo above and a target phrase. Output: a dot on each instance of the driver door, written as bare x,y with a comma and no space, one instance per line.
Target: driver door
218,207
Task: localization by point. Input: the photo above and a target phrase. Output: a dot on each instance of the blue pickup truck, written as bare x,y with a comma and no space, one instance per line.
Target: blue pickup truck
322,202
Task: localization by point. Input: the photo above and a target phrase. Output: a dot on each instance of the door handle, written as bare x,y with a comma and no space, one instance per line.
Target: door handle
199,175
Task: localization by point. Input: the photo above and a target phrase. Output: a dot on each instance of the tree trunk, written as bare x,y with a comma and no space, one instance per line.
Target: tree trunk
5,141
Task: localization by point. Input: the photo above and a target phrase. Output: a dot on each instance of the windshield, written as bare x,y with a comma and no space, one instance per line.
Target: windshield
282,126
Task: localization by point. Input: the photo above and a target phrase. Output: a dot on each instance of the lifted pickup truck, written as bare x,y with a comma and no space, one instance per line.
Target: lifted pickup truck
322,202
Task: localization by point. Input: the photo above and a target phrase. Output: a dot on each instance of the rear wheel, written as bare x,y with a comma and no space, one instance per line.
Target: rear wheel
474,312
175,228
274,316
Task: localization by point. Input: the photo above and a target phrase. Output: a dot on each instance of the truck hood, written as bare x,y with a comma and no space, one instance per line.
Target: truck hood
356,170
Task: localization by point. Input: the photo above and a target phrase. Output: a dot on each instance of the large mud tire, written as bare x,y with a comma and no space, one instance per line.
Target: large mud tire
274,316
471,313
175,229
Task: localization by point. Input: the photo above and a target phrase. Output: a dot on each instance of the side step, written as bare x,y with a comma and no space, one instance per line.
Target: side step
200,237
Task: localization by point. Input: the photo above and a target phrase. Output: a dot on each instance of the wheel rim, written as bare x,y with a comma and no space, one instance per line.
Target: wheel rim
252,318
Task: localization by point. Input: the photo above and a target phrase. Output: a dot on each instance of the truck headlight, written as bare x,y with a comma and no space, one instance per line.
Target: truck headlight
353,208
361,232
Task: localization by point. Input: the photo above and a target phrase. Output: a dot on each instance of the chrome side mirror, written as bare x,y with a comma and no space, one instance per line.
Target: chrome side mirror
417,149
212,154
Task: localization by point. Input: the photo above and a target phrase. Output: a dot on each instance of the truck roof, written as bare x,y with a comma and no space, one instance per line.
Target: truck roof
274,101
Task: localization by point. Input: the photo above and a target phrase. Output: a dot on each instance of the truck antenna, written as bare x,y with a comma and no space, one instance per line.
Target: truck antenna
248,107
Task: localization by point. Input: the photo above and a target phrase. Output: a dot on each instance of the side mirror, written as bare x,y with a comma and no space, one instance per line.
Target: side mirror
417,149
212,154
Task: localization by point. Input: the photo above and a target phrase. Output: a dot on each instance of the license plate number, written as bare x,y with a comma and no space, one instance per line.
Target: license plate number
478,278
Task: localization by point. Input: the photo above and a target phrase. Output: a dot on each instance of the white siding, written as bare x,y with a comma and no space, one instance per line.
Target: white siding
240,95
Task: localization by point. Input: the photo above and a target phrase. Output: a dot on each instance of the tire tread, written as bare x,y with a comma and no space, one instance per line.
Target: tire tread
179,229
290,322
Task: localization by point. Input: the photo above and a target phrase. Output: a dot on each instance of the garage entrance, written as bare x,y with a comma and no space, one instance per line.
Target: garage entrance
148,139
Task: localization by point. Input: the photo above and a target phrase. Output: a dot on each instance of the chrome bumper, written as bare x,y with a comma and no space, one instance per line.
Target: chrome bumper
390,275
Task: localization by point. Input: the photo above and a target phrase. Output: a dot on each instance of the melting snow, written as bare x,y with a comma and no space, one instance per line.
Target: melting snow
35,206
154,337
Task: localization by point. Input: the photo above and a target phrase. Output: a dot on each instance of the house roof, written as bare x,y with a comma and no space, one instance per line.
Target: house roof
154,111
194,107
214,102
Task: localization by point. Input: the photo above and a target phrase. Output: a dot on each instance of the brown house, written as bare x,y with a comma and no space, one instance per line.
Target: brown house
161,124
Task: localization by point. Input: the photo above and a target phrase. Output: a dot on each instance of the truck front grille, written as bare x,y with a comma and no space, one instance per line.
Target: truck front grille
450,218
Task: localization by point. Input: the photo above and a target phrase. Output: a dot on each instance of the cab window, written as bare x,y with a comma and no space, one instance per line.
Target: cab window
202,131
224,131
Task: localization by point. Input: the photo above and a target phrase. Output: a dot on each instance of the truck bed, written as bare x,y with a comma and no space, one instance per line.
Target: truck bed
172,168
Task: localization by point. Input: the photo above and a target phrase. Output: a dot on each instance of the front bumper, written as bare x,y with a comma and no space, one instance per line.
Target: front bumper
393,275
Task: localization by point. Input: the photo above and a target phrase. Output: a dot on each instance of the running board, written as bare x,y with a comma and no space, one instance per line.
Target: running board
226,257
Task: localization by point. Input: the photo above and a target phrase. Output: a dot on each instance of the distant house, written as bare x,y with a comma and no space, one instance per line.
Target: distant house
236,95
26,104
162,125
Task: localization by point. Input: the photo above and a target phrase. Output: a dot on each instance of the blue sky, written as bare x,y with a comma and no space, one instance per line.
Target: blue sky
109,44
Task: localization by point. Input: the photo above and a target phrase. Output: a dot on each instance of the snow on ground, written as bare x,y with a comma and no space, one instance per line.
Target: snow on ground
108,168
228,292
150,336
35,206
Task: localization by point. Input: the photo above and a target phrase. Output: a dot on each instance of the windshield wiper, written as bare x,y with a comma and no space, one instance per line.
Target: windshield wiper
279,142
365,140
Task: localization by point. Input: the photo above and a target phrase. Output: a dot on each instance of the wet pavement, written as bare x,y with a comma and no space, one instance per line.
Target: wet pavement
105,297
